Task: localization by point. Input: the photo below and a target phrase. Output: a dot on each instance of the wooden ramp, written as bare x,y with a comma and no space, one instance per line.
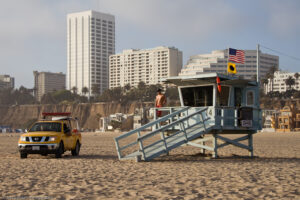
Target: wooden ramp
186,125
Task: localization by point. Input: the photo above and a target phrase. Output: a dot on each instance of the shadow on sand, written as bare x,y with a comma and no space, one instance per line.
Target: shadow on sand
224,159
93,156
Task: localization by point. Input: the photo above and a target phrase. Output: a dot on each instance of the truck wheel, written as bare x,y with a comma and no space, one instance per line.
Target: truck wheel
23,155
60,150
75,152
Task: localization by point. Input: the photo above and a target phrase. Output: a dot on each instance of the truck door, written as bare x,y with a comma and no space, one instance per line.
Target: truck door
68,135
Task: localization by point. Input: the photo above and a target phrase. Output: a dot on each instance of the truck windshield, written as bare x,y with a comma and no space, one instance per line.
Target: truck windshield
46,126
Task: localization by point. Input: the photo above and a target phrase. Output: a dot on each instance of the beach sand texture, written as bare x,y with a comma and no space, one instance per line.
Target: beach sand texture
98,174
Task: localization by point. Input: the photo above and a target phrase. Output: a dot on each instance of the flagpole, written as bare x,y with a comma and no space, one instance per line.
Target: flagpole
227,60
257,65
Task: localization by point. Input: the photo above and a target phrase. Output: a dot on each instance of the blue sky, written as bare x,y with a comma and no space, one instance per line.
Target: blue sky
33,32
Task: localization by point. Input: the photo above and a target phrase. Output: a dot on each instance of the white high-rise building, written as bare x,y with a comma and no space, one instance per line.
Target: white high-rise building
91,40
279,84
148,65
216,61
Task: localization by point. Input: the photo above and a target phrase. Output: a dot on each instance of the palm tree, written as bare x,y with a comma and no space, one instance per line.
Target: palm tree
23,89
84,90
265,82
74,90
270,75
141,85
95,89
290,81
296,75
127,87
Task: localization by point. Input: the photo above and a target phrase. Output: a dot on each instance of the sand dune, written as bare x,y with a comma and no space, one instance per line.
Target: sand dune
98,174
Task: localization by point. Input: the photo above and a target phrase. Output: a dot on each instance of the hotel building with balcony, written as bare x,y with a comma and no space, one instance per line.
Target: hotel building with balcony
216,61
147,65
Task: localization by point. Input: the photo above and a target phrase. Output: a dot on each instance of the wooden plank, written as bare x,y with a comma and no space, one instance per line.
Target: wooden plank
131,156
215,146
201,146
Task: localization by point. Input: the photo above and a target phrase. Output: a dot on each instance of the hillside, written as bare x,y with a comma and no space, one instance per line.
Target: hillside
21,116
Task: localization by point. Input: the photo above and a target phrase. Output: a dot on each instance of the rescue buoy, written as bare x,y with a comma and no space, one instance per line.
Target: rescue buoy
219,84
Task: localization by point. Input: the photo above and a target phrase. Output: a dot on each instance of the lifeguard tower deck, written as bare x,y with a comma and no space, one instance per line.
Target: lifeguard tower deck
211,104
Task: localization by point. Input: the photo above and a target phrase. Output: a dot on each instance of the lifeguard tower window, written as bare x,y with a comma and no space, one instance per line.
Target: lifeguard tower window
250,98
237,97
223,96
197,96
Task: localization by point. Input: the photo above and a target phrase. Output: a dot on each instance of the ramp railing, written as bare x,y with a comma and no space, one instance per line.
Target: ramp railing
189,130
137,133
188,127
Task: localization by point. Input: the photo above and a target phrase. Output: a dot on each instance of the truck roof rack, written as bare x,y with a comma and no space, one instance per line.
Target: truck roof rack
56,114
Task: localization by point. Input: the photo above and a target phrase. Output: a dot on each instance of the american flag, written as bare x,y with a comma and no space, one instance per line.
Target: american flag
236,55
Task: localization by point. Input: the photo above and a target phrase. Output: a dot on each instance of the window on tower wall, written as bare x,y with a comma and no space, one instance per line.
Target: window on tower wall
197,96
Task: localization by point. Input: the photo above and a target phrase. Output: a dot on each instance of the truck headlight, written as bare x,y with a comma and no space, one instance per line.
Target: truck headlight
23,138
51,139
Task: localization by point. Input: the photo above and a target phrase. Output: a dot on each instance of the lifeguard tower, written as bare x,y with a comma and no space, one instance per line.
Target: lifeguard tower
212,105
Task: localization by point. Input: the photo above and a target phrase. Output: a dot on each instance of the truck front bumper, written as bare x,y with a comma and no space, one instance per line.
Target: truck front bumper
38,148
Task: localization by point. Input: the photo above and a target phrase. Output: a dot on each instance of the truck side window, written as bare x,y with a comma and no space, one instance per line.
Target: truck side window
66,127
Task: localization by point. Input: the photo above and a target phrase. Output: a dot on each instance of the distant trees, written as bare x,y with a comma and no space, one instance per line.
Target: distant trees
123,95
95,89
10,96
143,93
62,96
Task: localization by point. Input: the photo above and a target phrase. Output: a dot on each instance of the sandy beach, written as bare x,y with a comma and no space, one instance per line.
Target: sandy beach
98,174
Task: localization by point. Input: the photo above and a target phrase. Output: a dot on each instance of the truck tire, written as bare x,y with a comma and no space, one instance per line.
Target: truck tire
23,155
60,150
75,152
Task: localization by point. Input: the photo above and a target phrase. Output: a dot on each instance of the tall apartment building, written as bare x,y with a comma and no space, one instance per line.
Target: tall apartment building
91,40
149,65
45,82
7,81
216,61
279,84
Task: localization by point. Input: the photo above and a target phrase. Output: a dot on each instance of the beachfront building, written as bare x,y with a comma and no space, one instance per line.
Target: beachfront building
216,61
90,42
6,81
147,65
278,83
45,82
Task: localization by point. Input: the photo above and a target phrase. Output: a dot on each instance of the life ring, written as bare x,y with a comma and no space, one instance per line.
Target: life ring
219,84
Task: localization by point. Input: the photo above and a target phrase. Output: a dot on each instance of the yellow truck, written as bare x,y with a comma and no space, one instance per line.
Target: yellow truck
54,136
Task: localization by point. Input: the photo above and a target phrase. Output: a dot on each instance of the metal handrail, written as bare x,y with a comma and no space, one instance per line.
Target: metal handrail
138,130
160,130
170,125
164,118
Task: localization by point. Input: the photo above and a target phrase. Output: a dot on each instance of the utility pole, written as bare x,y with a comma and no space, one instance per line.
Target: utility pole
257,66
